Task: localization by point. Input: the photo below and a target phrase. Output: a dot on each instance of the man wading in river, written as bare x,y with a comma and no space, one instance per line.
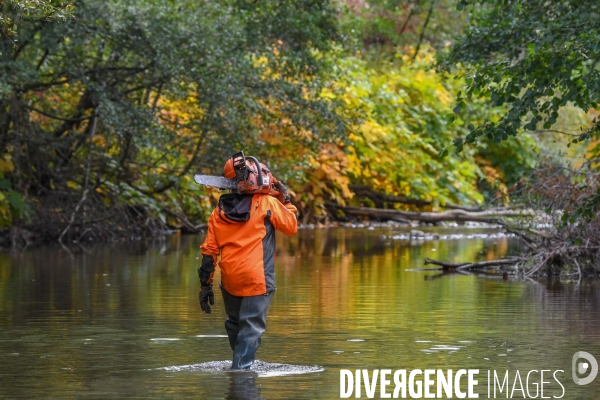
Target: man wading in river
241,230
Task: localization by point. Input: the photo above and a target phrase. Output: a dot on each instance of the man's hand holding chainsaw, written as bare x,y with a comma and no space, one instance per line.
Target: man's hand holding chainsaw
284,194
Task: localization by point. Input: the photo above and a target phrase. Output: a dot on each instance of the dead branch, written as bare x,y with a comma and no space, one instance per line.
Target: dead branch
453,206
49,115
540,265
492,263
464,266
529,242
445,265
490,216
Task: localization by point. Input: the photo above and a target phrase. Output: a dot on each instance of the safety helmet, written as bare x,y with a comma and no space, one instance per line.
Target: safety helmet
228,171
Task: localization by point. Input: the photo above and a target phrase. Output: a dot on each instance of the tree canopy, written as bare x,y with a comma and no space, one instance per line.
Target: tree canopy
122,101
13,11
533,57
105,116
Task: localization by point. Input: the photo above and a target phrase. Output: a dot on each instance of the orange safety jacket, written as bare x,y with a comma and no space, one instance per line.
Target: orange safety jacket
241,230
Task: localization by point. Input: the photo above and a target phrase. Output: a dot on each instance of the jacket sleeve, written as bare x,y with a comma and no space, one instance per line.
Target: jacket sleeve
210,252
284,217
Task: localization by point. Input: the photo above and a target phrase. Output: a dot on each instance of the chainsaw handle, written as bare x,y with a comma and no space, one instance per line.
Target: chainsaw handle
259,169
239,166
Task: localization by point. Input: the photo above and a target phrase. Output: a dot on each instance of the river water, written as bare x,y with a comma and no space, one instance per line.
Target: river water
123,321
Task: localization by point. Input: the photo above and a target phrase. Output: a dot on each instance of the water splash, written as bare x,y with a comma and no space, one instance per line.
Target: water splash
261,368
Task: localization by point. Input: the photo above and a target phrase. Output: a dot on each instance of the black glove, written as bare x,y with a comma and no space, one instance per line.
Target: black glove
284,196
206,296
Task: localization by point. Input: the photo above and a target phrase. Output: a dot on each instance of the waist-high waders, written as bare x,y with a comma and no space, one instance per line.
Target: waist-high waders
245,324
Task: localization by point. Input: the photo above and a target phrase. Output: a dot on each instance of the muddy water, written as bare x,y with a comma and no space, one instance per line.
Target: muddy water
122,320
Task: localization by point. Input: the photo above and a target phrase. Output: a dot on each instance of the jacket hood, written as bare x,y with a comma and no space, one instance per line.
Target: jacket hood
236,207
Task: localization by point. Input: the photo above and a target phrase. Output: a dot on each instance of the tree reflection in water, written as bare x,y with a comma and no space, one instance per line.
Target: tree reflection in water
107,320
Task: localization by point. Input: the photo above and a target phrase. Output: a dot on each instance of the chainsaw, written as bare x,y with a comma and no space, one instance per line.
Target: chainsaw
244,175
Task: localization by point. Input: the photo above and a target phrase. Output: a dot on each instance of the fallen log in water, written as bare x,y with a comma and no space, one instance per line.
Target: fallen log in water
446,266
488,216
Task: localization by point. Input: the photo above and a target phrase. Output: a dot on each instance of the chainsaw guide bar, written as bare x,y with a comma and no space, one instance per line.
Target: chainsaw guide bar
219,182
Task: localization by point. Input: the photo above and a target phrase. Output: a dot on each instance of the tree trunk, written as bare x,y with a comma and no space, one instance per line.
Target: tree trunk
490,216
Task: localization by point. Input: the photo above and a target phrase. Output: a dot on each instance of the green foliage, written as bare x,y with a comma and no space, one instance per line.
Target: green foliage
106,116
12,11
535,58
395,148
130,97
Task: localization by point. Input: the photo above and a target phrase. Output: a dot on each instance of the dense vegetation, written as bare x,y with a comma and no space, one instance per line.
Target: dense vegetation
537,59
106,111
104,117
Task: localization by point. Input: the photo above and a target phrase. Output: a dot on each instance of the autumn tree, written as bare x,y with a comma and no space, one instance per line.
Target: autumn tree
103,117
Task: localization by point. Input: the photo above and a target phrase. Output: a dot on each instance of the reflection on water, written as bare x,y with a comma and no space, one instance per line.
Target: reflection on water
243,387
108,321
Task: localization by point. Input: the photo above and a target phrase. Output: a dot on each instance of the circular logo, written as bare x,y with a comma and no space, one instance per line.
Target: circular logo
581,367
